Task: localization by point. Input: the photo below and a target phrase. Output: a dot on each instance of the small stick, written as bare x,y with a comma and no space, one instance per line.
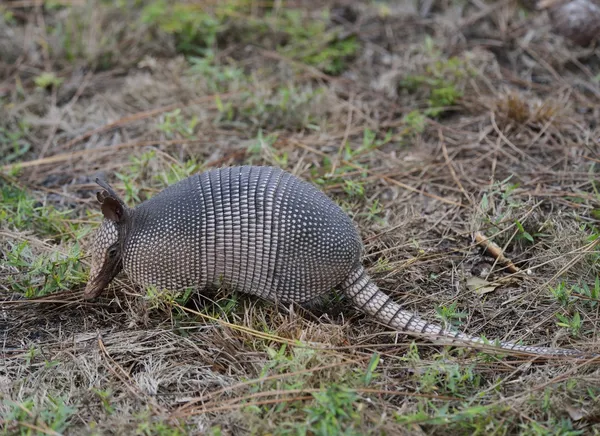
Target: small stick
495,251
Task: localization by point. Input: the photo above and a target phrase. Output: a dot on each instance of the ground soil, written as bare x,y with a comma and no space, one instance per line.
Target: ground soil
514,157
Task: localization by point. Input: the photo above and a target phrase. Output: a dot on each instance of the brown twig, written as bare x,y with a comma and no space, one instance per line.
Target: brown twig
495,251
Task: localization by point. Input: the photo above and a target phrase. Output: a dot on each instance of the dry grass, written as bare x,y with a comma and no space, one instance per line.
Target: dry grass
428,125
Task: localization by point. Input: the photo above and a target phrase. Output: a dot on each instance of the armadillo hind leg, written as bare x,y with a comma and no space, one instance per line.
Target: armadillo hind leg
367,297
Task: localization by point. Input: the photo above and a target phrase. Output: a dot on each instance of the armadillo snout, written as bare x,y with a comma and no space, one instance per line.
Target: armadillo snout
106,259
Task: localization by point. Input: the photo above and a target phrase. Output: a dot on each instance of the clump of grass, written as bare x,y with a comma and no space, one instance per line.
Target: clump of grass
449,378
40,274
441,377
351,157
98,34
165,299
450,316
464,416
293,33
20,210
39,268
441,80
334,411
173,124
193,27
217,77
148,425
572,323
13,141
311,42
50,416
517,108
414,122
335,405
287,107
580,297
342,175
262,148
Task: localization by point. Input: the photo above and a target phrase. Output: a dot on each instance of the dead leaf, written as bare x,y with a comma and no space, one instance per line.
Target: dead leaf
480,286
575,413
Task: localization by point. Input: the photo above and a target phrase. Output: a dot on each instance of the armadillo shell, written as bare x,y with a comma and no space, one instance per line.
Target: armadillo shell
260,230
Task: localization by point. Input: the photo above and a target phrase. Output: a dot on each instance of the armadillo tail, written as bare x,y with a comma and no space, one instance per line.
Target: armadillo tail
366,296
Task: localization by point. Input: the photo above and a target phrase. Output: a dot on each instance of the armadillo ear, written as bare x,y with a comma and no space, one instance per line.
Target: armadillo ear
112,209
101,196
108,192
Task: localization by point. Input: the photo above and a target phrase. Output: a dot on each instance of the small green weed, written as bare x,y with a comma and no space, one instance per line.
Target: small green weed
287,107
562,294
523,234
105,396
500,209
47,80
218,78
441,377
562,427
592,293
335,411
369,143
415,123
7,16
173,124
573,324
354,188
573,297
449,316
30,355
215,431
13,142
262,143
457,380
464,419
226,111
373,213
283,360
177,172
224,306
150,425
370,374
51,414
165,299
263,149
132,175
382,265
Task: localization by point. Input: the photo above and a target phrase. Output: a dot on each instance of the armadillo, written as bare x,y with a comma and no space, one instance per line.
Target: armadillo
256,229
